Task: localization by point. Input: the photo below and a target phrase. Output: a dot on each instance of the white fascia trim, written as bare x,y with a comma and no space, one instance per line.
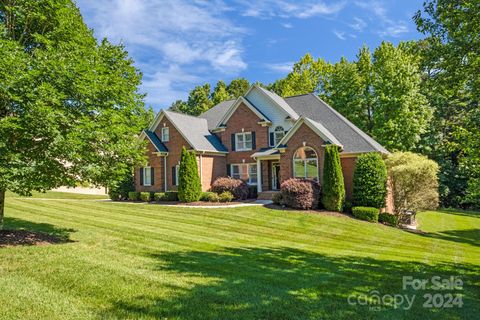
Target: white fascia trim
297,125
234,106
271,100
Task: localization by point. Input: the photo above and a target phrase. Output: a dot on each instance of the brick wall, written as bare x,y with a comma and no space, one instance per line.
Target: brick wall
155,162
348,167
212,168
244,118
311,139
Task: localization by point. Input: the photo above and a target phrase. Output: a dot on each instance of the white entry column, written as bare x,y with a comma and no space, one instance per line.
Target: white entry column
259,176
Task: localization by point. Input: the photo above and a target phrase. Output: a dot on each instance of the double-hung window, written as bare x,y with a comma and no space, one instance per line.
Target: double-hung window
165,134
278,134
243,141
147,176
246,172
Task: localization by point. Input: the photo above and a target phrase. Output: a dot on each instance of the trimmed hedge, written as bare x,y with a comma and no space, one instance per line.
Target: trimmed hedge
145,196
209,197
333,195
171,196
388,218
277,199
370,181
159,196
300,193
226,196
366,213
134,196
189,186
237,187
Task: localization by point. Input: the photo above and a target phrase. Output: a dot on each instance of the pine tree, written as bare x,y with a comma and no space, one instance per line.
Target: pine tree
189,186
333,195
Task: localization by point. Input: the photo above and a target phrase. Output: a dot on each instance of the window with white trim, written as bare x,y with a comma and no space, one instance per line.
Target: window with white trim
147,176
305,164
246,172
243,141
176,175
279,133
165,134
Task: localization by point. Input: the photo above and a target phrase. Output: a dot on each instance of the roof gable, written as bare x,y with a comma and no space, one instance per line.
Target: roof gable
194,130
316,127
272,99
150,135
235,105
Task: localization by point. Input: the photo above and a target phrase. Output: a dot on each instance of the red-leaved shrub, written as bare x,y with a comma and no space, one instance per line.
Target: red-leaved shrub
237,187
300,193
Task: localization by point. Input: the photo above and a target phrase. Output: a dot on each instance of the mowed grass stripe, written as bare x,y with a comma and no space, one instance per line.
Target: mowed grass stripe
324,235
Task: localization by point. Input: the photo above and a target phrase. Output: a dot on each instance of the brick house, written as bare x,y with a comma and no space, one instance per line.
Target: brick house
260,137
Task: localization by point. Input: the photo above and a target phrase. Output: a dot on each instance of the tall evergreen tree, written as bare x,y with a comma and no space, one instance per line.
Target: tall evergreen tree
189,185
333,193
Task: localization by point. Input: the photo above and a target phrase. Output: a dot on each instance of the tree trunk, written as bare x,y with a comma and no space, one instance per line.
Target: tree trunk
2,207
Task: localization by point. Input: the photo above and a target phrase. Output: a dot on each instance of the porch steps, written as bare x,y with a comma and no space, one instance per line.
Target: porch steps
266,195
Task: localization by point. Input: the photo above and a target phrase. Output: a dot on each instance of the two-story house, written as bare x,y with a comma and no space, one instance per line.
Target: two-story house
260,138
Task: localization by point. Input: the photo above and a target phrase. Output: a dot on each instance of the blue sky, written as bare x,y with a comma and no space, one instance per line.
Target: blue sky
179,44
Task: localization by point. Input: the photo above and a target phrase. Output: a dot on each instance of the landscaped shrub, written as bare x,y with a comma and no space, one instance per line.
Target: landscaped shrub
145,196
226,196
209,197
237,187
366,213
370,181
277,199
333,193
414,182
300,193
171,196
133,196
388,218
159,196
347,207
118,190
189,186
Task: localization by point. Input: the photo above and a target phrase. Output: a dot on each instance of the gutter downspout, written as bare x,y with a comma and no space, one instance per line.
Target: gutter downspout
165,173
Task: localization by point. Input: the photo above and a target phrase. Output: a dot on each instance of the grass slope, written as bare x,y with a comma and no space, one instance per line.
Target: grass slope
149,261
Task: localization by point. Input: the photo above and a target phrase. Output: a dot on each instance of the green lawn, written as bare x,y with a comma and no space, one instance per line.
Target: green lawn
149,261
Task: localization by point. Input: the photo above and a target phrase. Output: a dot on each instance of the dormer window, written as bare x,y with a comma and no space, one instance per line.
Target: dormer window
165,134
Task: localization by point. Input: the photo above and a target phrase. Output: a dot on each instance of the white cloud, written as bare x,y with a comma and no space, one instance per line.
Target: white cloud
170,39
340,34
358,24
288,8
282,67
390,27
287,25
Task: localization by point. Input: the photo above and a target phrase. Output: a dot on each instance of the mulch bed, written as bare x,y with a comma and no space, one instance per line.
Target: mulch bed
27,238
203,203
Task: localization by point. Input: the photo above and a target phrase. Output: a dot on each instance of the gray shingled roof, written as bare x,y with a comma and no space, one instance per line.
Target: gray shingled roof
195,131
155,141
352,138
310,106
215,114
330,136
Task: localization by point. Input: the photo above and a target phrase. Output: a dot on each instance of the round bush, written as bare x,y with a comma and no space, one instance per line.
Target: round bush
370,181
226,196
237,187
209,197
300,193
388,218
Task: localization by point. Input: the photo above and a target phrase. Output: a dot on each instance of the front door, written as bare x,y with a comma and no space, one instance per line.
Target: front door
275,176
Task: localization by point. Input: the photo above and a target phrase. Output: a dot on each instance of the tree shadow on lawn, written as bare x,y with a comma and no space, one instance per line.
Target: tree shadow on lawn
287,283
469,236
22,232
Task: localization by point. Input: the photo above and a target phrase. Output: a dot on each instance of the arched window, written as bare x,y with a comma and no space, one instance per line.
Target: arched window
305,163
278,133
